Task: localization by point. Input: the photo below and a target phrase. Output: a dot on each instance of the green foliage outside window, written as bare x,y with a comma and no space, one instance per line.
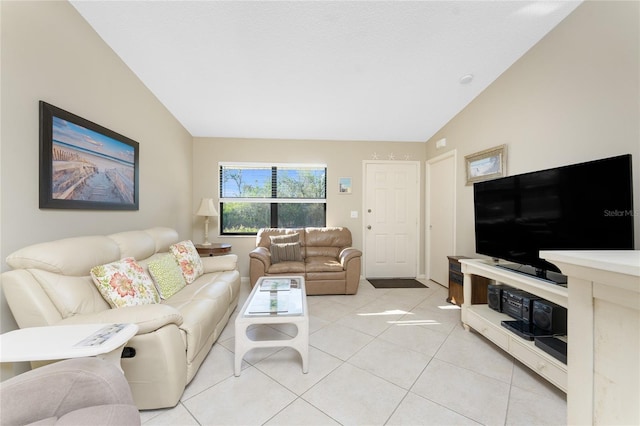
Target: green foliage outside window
245,218
254,197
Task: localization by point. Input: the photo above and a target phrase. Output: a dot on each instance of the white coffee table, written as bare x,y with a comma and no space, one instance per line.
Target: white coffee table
285,306
59,342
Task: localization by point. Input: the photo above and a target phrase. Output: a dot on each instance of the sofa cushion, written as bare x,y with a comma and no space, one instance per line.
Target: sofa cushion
136,244
70,256
283,239
287,252
332,252
71,295
322,264
167,275
202,305
293,268
124,283
188,259
163,237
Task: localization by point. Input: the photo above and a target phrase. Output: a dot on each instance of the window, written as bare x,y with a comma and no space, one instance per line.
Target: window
258,195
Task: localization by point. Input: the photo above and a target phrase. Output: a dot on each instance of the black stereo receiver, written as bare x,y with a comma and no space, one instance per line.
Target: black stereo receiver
518,304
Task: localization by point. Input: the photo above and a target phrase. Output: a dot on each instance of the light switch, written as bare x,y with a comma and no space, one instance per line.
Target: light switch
354,214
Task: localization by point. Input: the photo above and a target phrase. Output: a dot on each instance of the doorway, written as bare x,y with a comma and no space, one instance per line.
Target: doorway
441,216
391,211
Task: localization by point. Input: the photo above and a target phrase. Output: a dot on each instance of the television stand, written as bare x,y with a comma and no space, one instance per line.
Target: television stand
542,274
489,322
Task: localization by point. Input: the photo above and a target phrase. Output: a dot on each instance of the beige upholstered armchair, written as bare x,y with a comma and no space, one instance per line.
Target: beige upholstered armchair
82,391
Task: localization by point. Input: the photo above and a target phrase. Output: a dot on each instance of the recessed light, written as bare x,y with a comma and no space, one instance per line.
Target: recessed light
466,79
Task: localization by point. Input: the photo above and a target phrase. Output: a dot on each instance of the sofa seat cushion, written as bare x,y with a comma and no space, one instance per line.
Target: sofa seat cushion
200,317
202,305
326,276
230,280
322,251
207,286
293,268
322,264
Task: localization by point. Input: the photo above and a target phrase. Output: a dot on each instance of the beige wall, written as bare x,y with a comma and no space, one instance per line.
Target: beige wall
573,97
343,159
50,53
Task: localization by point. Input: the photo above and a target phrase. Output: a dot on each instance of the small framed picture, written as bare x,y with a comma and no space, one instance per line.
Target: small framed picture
488,164
344,185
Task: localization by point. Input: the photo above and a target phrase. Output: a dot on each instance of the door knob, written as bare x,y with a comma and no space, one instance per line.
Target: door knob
369,227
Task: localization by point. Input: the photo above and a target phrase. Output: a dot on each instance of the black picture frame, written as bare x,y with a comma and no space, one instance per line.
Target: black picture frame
84,165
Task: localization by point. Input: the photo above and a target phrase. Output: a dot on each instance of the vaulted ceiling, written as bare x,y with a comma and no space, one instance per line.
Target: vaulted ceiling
336,70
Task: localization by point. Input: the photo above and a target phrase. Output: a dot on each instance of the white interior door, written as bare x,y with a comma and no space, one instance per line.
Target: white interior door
391,219
440,216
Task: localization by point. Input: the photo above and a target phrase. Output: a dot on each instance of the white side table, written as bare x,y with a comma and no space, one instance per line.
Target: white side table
58,342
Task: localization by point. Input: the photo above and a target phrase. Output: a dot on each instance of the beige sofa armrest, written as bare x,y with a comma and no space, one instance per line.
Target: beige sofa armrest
149,318
263,255
347,254
259,263
228,262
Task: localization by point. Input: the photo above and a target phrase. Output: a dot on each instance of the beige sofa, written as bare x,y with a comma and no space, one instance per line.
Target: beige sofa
328,262
50,284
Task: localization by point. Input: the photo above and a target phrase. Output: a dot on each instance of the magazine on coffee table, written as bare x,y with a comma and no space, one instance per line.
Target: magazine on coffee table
275,284
269,303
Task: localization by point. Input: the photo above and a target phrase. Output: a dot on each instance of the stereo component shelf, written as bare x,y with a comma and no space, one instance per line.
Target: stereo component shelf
489,322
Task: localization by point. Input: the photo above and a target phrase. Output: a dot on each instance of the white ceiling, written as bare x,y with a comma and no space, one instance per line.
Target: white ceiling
337,70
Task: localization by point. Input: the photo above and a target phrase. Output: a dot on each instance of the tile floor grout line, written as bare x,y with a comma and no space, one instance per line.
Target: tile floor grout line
331,315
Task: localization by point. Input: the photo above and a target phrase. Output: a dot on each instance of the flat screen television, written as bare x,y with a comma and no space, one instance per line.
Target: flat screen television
586,206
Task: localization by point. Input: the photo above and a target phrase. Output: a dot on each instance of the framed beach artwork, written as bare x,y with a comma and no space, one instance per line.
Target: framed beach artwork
488,164
344,185
84,165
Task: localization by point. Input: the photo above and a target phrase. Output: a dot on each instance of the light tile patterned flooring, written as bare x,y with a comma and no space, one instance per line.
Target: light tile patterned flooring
382,356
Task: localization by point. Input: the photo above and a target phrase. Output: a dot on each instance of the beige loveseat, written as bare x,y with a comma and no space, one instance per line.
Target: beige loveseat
327,261
50,284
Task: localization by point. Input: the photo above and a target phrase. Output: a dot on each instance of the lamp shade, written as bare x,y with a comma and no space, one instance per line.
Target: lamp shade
207,208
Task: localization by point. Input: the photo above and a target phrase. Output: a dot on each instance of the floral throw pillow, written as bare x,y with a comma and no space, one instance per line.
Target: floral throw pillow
167,275
188,259
124,283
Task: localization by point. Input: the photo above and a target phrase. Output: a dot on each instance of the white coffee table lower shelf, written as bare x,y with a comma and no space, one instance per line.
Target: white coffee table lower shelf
66,341
274,307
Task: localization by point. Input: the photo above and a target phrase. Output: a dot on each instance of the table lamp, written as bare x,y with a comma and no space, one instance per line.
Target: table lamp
207,209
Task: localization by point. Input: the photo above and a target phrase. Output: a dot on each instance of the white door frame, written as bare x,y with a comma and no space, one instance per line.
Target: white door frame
364,192
452,153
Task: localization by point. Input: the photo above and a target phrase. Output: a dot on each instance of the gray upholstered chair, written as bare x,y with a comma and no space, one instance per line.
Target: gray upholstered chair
82,391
